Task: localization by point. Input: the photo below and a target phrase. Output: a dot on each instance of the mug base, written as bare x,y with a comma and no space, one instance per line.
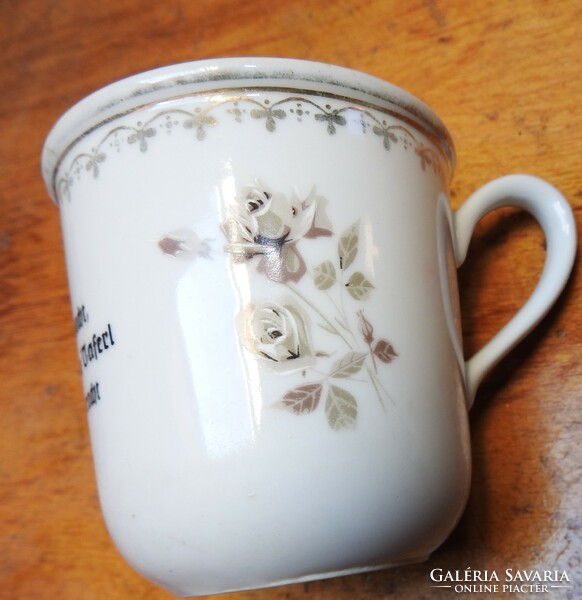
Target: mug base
310,577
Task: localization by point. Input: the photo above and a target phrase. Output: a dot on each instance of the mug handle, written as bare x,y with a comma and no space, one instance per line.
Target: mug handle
552,211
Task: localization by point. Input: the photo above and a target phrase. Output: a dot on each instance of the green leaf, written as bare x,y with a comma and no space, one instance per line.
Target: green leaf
359,287
349,365
324,276
304,398
348,246
341,409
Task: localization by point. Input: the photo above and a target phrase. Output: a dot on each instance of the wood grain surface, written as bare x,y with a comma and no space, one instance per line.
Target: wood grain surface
506,78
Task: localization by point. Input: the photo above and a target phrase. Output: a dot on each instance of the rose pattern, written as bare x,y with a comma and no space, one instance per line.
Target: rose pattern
278,333
185,244
269,225
266,229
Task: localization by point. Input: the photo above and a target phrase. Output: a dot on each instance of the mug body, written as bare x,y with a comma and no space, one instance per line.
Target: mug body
264,301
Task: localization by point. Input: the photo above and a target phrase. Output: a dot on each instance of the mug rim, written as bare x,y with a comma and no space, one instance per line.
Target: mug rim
226,74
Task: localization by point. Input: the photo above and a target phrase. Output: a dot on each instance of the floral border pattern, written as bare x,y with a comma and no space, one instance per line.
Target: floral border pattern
203,119
266,231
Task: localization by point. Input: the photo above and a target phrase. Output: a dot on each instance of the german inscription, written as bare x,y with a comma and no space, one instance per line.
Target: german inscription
93,345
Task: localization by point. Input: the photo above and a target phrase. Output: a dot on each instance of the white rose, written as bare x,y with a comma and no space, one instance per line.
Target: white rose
270,225
278,333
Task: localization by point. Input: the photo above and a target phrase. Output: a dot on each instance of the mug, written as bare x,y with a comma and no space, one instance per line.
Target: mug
262,268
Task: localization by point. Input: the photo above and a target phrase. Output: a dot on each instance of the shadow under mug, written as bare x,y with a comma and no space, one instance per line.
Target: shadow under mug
262,266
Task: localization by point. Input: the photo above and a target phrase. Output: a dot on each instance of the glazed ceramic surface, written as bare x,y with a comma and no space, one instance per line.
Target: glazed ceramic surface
262,270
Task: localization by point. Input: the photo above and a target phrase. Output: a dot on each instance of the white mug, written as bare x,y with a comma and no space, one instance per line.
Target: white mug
262,264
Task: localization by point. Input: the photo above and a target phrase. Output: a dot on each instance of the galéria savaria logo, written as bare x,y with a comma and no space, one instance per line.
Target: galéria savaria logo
523,581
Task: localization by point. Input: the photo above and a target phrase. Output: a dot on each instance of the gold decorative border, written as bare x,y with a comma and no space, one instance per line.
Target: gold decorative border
299,106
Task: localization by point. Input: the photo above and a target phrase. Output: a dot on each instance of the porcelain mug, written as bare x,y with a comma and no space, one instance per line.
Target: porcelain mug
262,267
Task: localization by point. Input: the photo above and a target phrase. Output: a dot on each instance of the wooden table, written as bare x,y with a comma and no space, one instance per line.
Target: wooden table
506,78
